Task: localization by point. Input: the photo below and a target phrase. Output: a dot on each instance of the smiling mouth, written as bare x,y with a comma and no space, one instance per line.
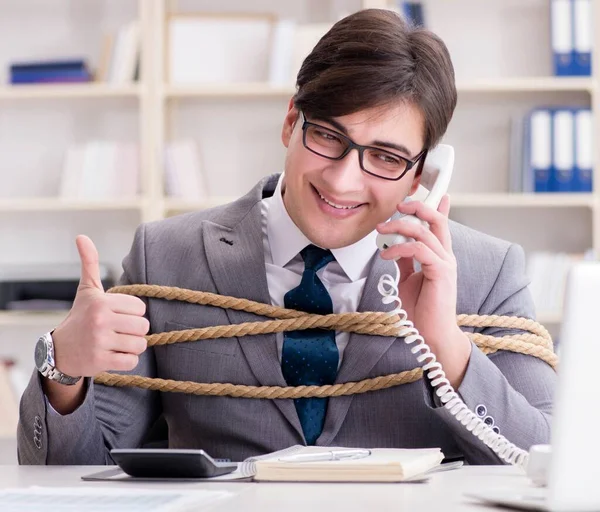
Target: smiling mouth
337,206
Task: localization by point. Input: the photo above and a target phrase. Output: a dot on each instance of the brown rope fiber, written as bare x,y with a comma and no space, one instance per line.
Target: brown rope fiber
536,341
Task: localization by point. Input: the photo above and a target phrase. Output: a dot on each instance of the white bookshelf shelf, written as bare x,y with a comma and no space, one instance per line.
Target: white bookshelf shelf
242,90
50,204
31,318
503,200
518,84
87,90
506,200
527,84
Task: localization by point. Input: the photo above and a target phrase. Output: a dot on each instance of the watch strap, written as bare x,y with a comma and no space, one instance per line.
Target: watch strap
49,370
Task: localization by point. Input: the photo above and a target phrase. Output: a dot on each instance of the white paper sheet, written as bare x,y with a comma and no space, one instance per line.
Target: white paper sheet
104,499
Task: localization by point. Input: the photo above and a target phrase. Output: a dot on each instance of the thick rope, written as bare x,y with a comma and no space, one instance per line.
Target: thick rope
535,342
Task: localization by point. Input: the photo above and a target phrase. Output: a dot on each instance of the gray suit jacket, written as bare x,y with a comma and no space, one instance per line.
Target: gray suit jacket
188,251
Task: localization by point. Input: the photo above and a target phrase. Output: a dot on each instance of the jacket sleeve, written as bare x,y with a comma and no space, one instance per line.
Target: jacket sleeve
514,391
109,417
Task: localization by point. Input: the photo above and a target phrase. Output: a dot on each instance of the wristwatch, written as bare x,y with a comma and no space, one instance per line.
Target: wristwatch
44,361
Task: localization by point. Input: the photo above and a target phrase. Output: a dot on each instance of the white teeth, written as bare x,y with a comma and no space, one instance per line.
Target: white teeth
337,205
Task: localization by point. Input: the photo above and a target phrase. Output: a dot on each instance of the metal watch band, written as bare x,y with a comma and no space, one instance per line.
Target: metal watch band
60,377
50,371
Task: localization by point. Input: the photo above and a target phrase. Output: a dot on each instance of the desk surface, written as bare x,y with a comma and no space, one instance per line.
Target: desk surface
444,491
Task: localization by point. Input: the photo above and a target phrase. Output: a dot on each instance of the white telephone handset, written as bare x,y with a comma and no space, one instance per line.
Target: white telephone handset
437,171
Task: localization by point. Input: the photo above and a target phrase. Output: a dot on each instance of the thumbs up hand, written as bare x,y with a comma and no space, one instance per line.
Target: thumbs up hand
103,331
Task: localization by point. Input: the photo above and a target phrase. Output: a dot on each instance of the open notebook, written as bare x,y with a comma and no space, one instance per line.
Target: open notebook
382,465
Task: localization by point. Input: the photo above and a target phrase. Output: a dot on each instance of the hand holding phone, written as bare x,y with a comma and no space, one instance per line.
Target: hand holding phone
429,296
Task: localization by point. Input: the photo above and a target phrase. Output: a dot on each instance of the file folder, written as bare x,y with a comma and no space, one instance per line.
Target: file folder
582,37
563,151
540,150
562,37
584,150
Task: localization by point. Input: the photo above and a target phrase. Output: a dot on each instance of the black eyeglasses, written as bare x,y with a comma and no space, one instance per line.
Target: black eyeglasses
374,161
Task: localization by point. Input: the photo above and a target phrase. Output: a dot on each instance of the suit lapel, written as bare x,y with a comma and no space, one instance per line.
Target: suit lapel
362,352
236,260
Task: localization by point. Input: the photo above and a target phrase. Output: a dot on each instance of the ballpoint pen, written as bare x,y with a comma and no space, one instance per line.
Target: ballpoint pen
328,455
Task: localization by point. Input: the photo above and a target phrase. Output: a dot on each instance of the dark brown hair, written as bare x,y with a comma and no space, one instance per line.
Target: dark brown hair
373,58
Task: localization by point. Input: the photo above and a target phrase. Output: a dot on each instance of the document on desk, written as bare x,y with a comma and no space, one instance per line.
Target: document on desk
103,499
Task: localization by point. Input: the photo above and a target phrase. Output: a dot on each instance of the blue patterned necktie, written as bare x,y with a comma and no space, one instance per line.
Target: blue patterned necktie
310,357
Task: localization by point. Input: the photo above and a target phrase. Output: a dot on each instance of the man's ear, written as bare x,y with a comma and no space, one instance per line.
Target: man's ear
417,179
415,184
289,123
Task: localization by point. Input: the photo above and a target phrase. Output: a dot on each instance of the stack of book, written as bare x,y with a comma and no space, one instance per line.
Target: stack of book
100,170
552,151
572,36
49,71
119,63
120,57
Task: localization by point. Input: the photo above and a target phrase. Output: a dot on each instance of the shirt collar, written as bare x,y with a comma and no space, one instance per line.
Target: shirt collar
286,240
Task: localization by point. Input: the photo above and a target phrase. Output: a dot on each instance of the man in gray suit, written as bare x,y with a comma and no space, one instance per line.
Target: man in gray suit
304,239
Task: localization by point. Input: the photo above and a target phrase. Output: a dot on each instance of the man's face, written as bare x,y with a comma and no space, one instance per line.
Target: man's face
312,182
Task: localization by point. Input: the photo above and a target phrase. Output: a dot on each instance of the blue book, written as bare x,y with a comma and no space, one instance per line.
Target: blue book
562,37
32,77
584,150
563,151
582,37
539,151
48,65
413,12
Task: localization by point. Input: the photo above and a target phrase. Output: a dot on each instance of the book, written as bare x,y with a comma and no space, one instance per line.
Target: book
382,465
582,37
184,177
99,169
50,71
561,22
413,13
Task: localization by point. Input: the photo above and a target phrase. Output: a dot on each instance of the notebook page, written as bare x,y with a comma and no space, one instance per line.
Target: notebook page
103,499
248,467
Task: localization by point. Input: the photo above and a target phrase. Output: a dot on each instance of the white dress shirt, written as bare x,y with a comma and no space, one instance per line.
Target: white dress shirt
344,278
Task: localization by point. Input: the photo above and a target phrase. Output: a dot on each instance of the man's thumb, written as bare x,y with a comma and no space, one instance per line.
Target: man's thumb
90,266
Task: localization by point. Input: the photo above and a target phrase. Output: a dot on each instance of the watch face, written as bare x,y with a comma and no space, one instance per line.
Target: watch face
40,353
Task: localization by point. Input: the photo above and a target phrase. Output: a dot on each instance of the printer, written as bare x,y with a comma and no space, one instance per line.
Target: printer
42,286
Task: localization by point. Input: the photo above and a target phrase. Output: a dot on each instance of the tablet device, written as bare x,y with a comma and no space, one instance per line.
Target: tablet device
166,463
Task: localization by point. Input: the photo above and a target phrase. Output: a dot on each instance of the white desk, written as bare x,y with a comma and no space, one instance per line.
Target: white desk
443,493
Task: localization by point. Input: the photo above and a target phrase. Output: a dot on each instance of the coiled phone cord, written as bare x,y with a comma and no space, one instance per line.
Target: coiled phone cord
507,451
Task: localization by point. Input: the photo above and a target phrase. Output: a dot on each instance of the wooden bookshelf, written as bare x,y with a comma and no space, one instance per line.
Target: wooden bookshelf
232,91
557,200
49,204
528,84
76,91
163,112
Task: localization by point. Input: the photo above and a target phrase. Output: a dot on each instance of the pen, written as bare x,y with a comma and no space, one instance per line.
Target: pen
328,455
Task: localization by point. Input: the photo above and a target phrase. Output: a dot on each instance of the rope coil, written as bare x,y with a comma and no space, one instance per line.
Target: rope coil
536,341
